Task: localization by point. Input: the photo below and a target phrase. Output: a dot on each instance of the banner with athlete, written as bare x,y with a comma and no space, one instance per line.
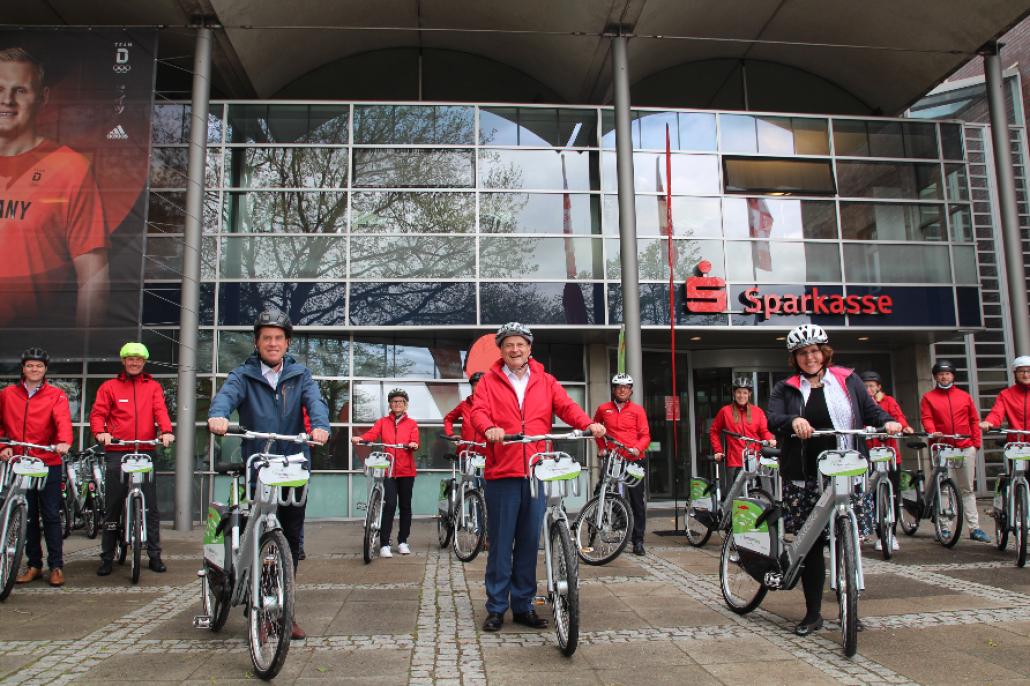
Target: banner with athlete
75,110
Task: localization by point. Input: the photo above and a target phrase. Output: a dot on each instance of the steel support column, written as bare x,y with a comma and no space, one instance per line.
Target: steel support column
627,214
1019,318
189,320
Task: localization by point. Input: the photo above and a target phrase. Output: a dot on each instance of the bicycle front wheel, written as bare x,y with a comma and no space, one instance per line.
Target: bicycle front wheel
847,584
697,531
1001,519
1020,521
884,517
136,536
599,545
470,527
93,516
948,516
14,548
270,619
741,591
66,517
565,582
370,541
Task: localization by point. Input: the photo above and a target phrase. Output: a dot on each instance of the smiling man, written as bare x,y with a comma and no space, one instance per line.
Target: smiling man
52,231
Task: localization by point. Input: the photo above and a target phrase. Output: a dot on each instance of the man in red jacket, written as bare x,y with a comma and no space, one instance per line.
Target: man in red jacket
626,422
874,384
33,411
128,408
949,410
462,412
398,428
1013,404
516,396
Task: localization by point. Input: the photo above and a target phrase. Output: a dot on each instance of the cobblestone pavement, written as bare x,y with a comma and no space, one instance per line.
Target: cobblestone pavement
931,615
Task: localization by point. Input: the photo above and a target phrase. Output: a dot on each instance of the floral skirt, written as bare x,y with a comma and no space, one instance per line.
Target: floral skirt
799,499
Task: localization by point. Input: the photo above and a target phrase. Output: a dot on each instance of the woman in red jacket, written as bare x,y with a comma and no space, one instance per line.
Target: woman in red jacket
398,428
874,384
740,417
462,413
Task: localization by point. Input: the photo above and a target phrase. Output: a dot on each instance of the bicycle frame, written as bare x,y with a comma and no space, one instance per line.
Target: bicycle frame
554,492
617,475
18,475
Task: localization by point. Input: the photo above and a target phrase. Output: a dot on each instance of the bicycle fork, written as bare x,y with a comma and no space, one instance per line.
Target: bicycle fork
843,509
136,492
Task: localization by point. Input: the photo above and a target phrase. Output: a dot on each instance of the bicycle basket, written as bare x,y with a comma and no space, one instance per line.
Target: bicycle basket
137,468
555,474
32,472
1017,452
284,480
882,457
950,456
843,463
634,475
377,462
474,464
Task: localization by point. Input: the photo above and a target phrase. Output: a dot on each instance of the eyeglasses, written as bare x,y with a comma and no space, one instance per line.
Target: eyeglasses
1023,371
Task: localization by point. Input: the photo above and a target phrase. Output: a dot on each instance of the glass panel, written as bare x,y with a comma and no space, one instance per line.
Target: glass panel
400,168
308,304
961,223
537,126
163,345
323,355
164,258
920,140
289,123
539,213
811,136
398,212
542,303
286,212
951,141
758,175
168,124
695,131
885,139
168,168
413,124
536,170
402,257
412,304
955,181
897,263
653,257
691,217
545,258
850,138
161,304
691,174
738,133
965,264
775,136
166,212
889,180
284,257
654,307
428,358
302,168
779,218
889,222
782,262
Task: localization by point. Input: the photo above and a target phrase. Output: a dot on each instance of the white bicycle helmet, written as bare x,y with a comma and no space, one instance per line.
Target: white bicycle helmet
513,329
1021,361
622,380
806,334
742,382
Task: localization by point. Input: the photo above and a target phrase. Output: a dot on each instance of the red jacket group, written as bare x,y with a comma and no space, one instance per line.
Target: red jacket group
891,407
628,426
462,412
388,430
496,405
951,411
43,419
757,428
130,408
1012,405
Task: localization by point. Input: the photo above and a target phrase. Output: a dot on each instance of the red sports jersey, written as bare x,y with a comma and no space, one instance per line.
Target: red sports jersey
50,213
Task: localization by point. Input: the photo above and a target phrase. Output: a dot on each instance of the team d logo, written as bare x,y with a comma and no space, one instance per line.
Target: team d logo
705,293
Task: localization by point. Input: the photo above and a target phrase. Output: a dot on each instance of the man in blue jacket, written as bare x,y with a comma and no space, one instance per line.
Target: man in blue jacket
271,391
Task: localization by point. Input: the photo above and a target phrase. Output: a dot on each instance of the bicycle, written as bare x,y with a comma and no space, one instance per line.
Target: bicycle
378,466
19,474
940,502
708,511
756,557
85,491
253,567
883,460
461,518
1011,511
136,468
603,527
555,470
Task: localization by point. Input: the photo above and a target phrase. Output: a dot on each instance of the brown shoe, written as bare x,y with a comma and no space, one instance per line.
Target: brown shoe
298,633
30,574
57,577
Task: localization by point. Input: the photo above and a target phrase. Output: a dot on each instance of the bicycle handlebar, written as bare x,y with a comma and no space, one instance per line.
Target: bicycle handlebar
11,443
384,445
746,439
239,431
999,433
457,440
575,434
153,442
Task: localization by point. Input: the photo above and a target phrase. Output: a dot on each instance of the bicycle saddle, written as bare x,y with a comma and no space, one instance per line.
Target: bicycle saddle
771,452
916,445
230,468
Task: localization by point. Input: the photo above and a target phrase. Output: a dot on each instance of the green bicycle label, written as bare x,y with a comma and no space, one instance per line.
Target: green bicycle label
745,516
211,526
698,488
444,483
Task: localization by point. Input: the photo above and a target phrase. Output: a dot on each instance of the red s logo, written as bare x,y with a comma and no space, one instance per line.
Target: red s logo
706,293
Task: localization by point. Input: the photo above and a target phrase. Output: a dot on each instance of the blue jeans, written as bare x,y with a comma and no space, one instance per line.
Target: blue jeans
47,503
513,526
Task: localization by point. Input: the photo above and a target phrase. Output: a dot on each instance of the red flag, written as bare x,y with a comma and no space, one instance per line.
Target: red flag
760,224
572,295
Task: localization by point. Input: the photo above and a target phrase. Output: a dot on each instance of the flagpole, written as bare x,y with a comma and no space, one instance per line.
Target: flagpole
672,330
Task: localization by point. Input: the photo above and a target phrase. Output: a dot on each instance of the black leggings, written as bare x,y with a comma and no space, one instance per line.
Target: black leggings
813,579
397,489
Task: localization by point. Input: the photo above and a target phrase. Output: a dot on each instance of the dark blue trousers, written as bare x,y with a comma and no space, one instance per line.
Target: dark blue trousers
513,525
47,503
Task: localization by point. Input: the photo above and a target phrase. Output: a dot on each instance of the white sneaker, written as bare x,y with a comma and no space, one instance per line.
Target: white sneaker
894,544
403,549
385,551
878,546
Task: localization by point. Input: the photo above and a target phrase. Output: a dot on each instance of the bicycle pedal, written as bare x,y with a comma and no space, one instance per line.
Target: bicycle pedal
540,600
202,622
586,549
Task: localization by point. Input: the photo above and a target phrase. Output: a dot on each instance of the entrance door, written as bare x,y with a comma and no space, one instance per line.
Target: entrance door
662,464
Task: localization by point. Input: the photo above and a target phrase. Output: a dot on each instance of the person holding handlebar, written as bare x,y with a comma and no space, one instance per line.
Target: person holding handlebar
128,408
1013,403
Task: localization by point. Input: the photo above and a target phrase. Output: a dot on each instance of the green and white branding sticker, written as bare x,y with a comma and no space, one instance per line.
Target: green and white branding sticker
214,543
908,486
700,499
747,533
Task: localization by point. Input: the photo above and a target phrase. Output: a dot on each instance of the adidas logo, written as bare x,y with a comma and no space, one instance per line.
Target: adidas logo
117,134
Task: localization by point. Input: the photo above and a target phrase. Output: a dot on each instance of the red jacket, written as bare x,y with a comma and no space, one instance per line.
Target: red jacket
951,411
44,419
757,428
462,412
891,407
388,430
628,425
128,408
1012,405
496,405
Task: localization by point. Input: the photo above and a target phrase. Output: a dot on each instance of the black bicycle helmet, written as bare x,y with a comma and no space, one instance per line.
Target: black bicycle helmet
274,318
476,377
397,393
943,366
871,376
37,354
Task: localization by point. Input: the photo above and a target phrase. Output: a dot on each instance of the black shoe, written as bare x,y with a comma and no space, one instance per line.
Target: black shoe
806,628
493,622
638,548
156,565
302,555
861,626
105,568
530,619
